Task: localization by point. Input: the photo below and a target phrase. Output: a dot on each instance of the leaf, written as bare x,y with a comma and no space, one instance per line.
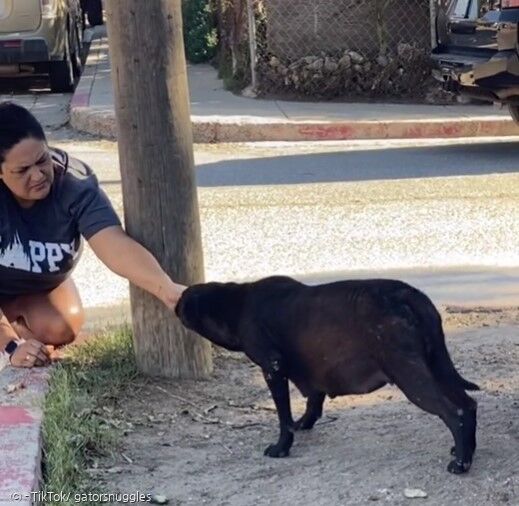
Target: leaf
159,499
414,493
14,387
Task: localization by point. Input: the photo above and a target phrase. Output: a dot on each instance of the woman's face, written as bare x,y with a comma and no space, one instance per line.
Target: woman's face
28,172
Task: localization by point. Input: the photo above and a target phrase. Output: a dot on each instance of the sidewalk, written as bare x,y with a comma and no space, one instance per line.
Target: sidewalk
22,392
220,116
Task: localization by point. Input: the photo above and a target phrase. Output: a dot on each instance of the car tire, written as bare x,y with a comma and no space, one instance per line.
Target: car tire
76,55
61,73
95,12
514,112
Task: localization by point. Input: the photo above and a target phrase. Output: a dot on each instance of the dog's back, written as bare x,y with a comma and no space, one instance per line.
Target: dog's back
339,337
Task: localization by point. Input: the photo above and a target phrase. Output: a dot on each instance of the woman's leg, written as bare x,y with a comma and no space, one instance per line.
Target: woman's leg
53,318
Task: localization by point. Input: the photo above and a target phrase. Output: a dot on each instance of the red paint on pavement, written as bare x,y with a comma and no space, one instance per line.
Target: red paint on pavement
452,130
22,479
404,130
12,415
414,132
80,99
327,132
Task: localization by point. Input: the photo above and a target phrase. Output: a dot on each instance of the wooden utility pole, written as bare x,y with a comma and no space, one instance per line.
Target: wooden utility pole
157,169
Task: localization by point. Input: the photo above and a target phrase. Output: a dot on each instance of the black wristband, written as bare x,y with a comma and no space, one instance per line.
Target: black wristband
10,347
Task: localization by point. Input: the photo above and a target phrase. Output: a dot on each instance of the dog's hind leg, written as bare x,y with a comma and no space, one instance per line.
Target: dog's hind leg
468,406
414,378
278,385
314,411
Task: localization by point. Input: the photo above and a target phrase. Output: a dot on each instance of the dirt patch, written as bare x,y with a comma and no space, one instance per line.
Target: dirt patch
202,443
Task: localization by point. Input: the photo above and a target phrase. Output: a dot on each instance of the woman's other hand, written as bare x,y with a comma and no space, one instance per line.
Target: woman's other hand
30,353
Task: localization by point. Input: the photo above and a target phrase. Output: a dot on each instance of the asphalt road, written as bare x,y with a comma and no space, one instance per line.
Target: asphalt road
441,214
321,213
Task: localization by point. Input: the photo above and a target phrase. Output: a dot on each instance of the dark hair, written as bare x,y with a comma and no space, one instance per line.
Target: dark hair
16,124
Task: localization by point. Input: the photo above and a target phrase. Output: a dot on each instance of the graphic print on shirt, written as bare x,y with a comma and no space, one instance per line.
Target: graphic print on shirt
38,257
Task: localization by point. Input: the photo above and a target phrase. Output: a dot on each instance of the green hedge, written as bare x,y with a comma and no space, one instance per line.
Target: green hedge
200,36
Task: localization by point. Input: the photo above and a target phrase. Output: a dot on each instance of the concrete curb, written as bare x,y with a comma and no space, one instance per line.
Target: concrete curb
103,124
84,119
254,131
22,393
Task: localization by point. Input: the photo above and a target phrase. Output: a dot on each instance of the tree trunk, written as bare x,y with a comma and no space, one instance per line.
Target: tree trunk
157,169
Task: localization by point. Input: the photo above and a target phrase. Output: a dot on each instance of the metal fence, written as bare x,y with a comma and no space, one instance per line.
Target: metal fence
298,28
336,48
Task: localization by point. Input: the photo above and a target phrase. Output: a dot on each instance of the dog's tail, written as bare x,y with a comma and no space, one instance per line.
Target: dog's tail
441,364
438,356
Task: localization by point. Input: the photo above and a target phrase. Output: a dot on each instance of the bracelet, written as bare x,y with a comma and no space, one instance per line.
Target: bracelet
12,346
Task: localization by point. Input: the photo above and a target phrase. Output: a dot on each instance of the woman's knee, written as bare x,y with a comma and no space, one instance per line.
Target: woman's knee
55,317
49,325
63,328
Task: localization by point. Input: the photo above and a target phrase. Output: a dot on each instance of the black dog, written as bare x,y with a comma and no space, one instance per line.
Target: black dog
349,337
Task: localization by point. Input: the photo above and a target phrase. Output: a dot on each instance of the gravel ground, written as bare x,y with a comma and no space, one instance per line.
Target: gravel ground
202,443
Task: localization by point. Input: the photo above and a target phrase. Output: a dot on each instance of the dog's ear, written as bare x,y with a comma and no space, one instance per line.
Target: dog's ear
225,304
214,311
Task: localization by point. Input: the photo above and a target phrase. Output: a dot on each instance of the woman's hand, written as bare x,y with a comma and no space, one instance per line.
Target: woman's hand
30,353
169,293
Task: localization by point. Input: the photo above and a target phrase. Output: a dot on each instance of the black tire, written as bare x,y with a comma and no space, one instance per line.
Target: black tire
76,55
61,73
514,112
95,12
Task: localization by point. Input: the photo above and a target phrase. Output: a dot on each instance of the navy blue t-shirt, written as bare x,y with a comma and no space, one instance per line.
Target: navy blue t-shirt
40,245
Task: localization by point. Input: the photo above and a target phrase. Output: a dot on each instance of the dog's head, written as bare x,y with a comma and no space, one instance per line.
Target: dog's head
213,310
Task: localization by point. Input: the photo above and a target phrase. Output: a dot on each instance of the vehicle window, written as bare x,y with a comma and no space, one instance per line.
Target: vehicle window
475,8
471,9
460,8
487,5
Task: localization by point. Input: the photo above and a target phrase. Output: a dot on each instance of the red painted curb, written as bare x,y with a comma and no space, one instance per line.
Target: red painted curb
80,99
103,123
13,415
409,129
20,454
20,433
240,131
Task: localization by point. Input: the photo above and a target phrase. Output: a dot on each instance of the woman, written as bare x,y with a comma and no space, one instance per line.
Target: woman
48,202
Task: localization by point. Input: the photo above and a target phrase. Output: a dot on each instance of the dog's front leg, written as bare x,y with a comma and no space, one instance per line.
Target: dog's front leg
278,385
314,411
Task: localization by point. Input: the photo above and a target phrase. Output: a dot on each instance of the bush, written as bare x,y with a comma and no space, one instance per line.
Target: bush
200,37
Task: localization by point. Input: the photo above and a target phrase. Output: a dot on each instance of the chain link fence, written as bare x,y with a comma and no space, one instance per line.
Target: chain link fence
335,48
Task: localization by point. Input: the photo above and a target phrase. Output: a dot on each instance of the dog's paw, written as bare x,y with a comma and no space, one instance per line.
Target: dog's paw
276,451
458,467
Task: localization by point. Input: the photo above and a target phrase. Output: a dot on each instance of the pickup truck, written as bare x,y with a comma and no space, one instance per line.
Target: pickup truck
476,49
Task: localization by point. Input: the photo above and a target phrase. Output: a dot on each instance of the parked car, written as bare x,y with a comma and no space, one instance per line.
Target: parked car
476,49
93,10
42,36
